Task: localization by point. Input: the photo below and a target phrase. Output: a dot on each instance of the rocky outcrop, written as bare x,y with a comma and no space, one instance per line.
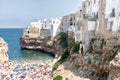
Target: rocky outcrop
114,71
41,43
94,64
3,50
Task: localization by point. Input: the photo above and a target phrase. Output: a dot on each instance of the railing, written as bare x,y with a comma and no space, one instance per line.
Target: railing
86,16
112,14
109,28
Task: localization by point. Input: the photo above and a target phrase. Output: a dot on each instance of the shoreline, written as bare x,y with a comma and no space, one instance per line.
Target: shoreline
41,50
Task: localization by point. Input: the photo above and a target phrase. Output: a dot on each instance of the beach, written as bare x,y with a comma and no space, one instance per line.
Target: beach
12,70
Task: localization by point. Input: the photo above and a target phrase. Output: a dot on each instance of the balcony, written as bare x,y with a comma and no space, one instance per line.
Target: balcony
112,14
85,16
109,28
91,17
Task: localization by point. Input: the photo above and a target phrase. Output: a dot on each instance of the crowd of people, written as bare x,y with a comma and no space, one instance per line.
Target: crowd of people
25,70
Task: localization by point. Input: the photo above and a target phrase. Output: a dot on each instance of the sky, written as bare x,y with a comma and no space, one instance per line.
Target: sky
20,13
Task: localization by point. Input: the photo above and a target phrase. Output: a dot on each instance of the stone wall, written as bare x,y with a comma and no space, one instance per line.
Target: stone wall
45,32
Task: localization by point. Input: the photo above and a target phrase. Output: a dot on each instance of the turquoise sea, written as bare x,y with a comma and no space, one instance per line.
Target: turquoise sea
11,36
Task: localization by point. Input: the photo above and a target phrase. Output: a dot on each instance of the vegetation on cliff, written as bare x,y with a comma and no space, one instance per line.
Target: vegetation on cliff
94,64
58,77
69,47
62,38
103,53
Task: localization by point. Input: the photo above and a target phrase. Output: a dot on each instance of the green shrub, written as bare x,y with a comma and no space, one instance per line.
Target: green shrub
58,78
76,47
98,52
56,65
62,38
82,51
72,43
89,61
66,54
93,39
93,73
62,59
90,50
103,43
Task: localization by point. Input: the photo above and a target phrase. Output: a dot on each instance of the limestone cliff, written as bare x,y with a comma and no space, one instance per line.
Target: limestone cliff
114,73
94,63
3,50
41,43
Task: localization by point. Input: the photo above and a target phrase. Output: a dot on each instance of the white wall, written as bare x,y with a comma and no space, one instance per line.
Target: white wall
56,26
93,7
110,4
91,25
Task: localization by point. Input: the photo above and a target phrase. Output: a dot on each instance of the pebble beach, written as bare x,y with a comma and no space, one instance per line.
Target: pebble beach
12,70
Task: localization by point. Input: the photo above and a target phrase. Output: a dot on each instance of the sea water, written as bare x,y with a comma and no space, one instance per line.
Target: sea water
11,36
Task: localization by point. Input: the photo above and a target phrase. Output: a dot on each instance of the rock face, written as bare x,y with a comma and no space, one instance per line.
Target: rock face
3,50
41,43
114,73
94,64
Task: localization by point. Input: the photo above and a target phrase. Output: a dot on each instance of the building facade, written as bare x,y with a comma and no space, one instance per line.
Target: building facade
46,27
112,16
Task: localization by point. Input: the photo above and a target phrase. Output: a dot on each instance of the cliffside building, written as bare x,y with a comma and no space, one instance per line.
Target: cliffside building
112,16
90,19
47,28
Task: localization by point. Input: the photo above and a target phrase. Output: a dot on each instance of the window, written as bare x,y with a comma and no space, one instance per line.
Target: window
84,5
94,1
89,3
74,18
28,32
78,28
71,19
97,15
74,23
53,22
80,10
111,24
71,23
113,13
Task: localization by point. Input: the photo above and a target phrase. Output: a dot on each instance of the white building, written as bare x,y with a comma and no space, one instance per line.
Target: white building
46,27
90,18
91,9
33,30
53,25
112,15
78,26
